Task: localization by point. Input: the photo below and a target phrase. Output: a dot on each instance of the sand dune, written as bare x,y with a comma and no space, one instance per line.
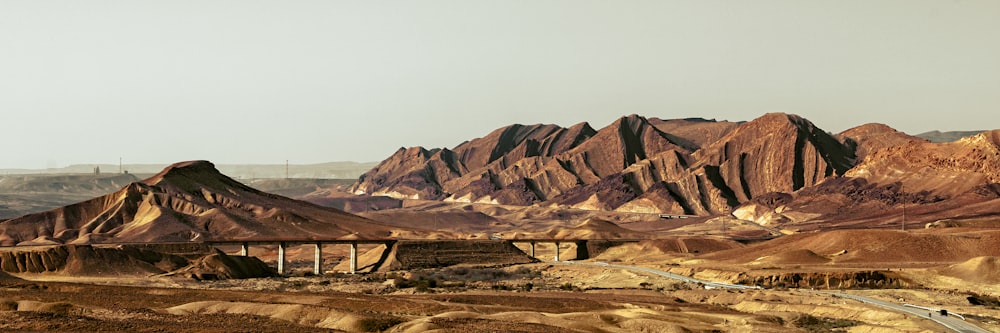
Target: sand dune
984,269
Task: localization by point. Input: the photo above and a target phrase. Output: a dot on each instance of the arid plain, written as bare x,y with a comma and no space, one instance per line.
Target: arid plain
775,204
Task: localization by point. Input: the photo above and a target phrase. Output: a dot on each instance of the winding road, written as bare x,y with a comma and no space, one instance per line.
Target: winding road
951,323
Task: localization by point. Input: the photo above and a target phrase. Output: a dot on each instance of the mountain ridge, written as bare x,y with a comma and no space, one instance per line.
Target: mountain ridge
675,166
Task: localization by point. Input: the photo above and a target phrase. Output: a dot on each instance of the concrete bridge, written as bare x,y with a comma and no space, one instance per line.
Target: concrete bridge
283,243
583,247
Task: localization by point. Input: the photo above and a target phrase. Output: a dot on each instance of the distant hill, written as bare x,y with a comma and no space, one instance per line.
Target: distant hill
330,170
32,193
939,137
186,202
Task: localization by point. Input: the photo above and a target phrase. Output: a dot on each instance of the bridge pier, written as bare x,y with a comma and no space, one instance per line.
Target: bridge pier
557,251
281,258
245,249
581,250
532,249
354,257
318,260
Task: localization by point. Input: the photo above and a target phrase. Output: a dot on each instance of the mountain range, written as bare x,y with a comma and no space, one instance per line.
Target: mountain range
700,167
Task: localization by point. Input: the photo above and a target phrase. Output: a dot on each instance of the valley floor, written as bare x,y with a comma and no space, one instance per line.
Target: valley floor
523,298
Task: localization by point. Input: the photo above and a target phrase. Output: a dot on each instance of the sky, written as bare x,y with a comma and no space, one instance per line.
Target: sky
314,81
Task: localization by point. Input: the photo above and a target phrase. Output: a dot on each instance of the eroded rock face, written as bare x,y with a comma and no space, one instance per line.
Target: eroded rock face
684,166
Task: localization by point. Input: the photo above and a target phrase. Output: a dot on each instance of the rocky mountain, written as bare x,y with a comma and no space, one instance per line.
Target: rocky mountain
682,166
184,202
869,138
902,179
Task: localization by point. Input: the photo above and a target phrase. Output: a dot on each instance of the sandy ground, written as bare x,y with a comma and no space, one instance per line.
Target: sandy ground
472,299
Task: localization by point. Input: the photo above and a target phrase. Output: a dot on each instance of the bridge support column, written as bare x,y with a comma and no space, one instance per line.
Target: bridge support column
354,257
557,251
281,258
532,249
245,249
318,260
581,250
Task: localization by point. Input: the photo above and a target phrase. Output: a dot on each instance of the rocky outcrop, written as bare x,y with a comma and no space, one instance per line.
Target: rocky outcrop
946,168
219,266
828,280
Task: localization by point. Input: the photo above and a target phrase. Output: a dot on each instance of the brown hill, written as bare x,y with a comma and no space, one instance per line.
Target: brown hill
188,201
518,164
861,177
692,166
690,244
947,168
929,181
869,138
589,229
774,153
984,269
870,247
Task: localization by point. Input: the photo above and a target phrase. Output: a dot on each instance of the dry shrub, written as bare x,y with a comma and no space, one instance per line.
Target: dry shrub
8,305
378,323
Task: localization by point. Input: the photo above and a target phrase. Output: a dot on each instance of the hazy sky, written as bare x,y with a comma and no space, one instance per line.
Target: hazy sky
313,81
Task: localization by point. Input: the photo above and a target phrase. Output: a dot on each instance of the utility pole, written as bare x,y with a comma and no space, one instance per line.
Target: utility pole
286,169
904,205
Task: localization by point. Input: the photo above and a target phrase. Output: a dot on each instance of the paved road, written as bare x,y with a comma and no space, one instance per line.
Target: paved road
951,323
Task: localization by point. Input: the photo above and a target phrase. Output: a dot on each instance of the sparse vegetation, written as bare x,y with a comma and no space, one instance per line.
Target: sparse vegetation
379,323
818,324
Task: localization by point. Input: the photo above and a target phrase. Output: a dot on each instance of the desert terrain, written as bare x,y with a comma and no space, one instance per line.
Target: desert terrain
765,224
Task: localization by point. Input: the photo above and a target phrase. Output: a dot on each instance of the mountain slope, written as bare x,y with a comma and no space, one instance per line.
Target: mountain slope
901,175
185,202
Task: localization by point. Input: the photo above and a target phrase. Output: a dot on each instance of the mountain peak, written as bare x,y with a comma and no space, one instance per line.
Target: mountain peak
194,176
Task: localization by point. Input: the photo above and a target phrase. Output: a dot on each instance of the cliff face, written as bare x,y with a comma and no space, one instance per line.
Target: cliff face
682,166
774,153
